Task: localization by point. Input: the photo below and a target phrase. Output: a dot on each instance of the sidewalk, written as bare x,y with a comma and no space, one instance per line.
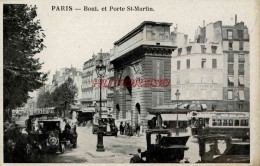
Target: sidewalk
91,150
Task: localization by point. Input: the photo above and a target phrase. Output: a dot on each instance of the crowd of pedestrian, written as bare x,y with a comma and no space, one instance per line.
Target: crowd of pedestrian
126,129
15,144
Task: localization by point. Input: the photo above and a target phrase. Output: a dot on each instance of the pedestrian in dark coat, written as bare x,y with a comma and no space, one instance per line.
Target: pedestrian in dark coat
138,130
121,128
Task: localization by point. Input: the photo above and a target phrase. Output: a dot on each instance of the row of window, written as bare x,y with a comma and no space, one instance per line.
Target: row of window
241,45
203,63
190,94
204,78
229,122
239,32
241,95
241,81
241,58
203,49
240,106
241,69
92,63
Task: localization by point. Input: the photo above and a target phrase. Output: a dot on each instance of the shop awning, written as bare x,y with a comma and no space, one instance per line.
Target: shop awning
183,105
204,106
231,79
89,109
173,117
74,107
123,120
241,95
165,109
241,80
149,117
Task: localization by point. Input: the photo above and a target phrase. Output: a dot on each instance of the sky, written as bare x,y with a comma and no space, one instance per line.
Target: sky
73,36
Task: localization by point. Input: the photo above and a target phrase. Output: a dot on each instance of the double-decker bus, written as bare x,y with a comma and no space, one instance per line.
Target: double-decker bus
234,124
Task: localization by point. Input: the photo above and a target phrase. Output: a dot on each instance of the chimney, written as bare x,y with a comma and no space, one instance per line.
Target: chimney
235,19
203,23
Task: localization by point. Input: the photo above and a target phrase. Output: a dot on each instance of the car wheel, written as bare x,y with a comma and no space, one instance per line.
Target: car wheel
75,145
133,160
62,148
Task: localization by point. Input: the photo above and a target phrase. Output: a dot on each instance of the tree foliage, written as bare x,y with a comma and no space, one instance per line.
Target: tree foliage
44,100
61,98
22,39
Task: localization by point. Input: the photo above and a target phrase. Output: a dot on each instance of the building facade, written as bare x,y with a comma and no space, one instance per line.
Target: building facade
235,41
231,60
197,72
87,100
63,74
90,86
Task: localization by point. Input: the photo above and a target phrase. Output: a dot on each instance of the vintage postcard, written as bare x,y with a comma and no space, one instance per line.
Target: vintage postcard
98,81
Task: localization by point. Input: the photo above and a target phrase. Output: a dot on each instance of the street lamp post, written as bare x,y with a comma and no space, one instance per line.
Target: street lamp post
101,71
177,94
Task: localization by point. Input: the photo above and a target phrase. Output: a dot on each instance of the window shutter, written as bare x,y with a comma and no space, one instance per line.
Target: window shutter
161,69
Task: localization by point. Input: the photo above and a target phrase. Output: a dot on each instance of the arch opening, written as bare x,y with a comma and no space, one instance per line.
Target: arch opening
128,85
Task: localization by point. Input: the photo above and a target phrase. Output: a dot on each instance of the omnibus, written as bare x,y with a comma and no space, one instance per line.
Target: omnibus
108,122
234,124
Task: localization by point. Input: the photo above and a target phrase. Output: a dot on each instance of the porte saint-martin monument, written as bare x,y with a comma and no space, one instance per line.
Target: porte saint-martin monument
142,60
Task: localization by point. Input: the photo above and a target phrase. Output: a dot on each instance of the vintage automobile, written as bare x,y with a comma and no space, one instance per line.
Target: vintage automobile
108,122
232,152
85,115
164,149
44,133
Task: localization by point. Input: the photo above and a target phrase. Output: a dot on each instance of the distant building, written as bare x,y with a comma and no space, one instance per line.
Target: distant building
47,88
63,74
88,94
91,94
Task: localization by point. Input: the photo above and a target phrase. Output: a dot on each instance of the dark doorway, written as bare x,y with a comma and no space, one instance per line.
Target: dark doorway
127,84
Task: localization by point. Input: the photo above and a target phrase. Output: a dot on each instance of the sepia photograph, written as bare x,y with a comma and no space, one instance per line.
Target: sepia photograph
129,81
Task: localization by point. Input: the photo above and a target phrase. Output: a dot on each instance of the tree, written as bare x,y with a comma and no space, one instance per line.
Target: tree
40,101
23,38
44,100
64,96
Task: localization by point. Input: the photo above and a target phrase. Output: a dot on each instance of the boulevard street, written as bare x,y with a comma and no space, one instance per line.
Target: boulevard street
117,149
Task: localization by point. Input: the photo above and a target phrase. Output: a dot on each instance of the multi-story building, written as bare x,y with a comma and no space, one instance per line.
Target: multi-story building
233,43
235,40
90,93
197,72
63,74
